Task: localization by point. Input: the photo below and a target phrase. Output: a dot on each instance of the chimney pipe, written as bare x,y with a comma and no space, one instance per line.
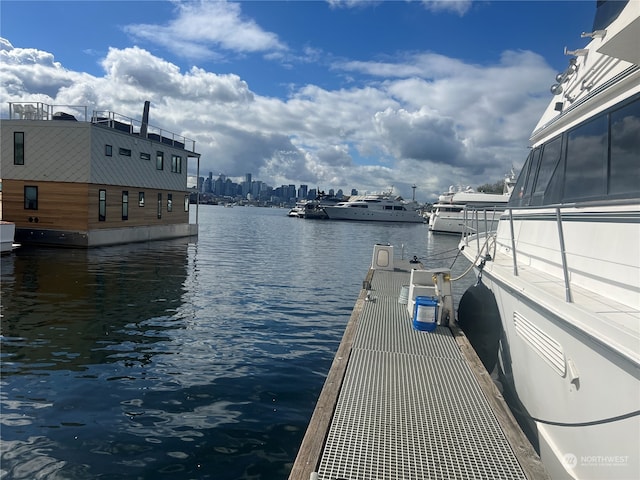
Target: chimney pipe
145,119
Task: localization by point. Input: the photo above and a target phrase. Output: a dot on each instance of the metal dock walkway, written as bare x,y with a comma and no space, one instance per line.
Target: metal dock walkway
405,404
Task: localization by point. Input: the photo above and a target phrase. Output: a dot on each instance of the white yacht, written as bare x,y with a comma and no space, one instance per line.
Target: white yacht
7,235
562,272
378,207
455,210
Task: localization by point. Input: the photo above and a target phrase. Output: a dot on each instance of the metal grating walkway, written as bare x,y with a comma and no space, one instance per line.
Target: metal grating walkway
410,406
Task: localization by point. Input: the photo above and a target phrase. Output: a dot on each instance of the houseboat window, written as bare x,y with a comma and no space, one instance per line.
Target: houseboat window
30,198
125,205
102,205
586,161
169,202
176,163
141,199
108,150
145,156
159,205
125,152
624,168
18,148
186,203
160,160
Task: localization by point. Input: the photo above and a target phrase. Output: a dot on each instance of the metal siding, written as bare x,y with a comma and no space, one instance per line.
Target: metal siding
133,171
54,151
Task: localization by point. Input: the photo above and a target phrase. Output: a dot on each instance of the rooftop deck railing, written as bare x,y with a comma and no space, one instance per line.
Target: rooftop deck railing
106,118
44,111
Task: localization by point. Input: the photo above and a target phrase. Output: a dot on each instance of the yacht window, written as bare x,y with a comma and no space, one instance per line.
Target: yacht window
550,158
624,169
586,160
141,199
159,205
535,162
169,202
145,156
125,152
517,197
108,150
18,148
159,160
398,207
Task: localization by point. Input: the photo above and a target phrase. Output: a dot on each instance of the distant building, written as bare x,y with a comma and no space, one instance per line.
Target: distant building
73,180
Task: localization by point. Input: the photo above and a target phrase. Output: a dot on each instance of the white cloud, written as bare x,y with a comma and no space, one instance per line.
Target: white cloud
456,6
425,118
202,27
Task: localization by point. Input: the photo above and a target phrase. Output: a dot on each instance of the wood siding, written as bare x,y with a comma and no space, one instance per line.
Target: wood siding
74,206
61,206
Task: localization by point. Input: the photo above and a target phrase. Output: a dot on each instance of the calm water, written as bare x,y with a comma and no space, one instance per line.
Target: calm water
182,360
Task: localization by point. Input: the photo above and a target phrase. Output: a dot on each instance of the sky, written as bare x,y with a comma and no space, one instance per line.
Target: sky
336,94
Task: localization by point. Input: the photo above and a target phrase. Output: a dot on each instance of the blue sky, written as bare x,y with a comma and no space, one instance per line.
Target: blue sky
338,94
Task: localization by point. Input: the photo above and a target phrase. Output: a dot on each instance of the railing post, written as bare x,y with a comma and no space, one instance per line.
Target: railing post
563,255
513,243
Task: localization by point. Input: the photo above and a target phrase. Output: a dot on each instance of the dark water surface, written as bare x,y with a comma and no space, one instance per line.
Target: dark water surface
182,360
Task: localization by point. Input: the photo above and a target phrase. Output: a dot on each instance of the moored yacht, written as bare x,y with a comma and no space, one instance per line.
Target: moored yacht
380,207
562,271
7,235
455,210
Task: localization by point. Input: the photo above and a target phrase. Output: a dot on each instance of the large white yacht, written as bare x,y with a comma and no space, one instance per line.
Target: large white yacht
377,207
562,272
455,210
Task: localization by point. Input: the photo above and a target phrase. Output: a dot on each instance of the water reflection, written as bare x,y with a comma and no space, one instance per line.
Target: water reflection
59,305
181,360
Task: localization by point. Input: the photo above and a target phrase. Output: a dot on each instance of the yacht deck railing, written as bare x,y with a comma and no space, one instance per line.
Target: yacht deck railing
488,237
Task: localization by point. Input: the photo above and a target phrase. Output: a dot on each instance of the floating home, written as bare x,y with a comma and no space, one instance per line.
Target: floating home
74,180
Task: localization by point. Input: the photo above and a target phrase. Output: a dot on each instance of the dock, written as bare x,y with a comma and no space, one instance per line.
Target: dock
399,403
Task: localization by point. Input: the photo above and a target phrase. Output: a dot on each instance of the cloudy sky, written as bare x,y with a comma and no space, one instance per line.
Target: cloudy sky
334,94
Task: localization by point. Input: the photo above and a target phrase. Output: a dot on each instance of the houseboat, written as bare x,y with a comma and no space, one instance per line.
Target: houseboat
74,180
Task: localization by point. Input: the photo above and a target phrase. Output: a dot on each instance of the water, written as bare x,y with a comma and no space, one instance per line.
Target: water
182,360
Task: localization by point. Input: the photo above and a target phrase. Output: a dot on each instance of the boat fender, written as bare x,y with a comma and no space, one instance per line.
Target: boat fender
479,319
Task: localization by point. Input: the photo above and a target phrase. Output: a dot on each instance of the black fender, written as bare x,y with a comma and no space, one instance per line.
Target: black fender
479,319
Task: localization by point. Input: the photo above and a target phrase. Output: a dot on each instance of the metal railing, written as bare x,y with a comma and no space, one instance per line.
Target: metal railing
44,111
135,127
472,231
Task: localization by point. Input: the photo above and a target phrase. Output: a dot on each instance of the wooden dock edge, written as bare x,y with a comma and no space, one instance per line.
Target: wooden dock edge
310,452
526,455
